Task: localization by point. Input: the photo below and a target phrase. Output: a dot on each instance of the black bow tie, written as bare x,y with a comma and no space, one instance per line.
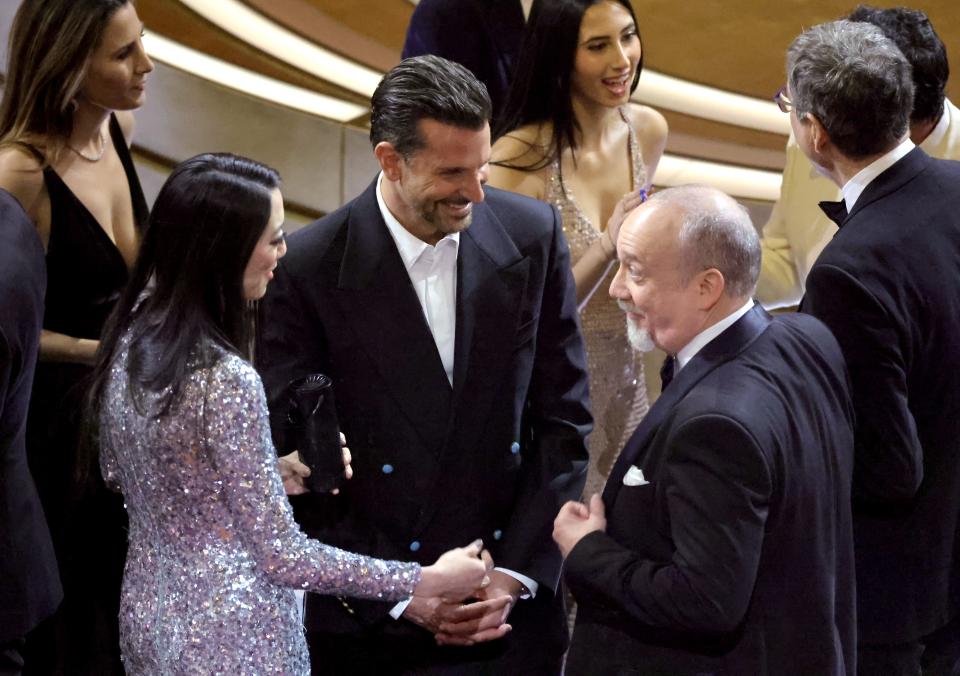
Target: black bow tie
666,371
835,211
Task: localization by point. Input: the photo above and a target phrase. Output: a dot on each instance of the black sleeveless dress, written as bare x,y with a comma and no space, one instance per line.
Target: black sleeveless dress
85,276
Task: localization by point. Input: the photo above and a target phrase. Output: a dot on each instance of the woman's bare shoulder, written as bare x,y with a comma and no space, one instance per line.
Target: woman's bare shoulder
650,124
21,174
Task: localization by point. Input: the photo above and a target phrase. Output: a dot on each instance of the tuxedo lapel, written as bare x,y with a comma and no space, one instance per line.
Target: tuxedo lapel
491,280
378,302
721,349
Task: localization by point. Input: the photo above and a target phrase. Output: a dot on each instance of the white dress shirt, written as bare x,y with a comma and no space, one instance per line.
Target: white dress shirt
853,188
433,273
702,339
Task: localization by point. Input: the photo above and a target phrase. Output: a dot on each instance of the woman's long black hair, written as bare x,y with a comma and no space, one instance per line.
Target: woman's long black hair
540,90
186,289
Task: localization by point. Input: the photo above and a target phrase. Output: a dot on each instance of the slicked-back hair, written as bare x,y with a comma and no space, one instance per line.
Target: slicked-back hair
715,232
541,90
426,87
856,82
912,32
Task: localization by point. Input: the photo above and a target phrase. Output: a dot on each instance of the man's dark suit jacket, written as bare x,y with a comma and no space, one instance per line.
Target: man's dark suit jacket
888,286
29,582
493,457
485,36
736,557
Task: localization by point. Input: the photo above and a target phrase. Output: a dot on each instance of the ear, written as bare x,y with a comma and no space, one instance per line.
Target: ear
818,133
390,160
710,286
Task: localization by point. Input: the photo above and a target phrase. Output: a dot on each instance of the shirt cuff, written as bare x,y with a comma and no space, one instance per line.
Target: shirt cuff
530,584
397,611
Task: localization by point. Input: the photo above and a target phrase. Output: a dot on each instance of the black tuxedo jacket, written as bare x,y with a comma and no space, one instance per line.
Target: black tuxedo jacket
736,557
29,582
888,286
495,455
485,36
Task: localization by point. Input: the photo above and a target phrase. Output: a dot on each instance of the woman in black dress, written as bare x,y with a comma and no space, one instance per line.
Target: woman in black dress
76,70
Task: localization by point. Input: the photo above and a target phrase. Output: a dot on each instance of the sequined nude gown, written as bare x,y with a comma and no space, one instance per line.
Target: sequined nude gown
618,394
214,552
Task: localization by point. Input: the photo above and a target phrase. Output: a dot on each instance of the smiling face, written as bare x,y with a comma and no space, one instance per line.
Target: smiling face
608,51
270,248
117,70
662,308
432,192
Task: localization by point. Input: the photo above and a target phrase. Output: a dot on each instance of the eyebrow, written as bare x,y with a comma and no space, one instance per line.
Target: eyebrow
631,26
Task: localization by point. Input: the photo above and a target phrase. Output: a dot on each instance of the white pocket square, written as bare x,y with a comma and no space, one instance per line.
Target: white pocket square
634,477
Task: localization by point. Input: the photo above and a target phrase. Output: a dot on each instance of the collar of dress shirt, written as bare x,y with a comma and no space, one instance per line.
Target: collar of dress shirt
703,338
409,246
939,131
853,188
526,4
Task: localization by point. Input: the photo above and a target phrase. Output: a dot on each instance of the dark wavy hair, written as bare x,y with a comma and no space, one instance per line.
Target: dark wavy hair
540,90
185,293
913,33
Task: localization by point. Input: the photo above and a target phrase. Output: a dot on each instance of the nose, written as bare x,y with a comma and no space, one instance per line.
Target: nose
144,64
621,56
282,249
618,290
473,190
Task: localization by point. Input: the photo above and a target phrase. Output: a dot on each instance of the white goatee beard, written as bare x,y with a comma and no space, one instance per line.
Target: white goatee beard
638,338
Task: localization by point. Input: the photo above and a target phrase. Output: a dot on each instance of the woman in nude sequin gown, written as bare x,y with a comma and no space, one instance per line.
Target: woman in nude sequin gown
214,554
573,139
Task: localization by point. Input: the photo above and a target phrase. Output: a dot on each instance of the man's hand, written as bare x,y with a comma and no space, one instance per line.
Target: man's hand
486,618
460,624
293,472
576,520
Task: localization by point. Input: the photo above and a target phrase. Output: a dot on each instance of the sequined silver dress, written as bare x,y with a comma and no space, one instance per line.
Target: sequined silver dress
618,394
214,551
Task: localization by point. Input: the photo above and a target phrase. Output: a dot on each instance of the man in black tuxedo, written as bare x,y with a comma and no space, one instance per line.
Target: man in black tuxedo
445,313
29,583
722,543
888,286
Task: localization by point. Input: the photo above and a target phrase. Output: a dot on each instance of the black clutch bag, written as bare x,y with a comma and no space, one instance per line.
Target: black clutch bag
313,424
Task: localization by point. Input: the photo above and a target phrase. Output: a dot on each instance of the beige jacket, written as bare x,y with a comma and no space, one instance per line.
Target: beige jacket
797,230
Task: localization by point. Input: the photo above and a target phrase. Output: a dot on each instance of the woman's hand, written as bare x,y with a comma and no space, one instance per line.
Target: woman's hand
627,203
457,574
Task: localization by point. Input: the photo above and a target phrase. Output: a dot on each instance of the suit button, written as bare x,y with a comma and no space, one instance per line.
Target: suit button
497,534
387,469
415,546
515,447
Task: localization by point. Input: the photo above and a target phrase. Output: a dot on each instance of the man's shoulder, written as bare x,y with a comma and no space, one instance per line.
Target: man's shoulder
517,212
315,240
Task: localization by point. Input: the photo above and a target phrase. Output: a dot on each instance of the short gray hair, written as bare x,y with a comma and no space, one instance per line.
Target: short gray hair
855,81
715,232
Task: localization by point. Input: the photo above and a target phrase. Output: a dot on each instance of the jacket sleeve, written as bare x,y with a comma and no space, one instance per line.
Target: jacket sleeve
557,420
717,485
888,461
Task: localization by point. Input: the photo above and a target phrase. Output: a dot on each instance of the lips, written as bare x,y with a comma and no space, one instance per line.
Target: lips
617,85
458,208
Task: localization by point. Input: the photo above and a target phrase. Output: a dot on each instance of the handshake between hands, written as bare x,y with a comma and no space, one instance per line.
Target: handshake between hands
460,599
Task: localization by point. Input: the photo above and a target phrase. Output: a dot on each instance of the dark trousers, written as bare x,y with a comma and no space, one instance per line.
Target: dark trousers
937,654
11,657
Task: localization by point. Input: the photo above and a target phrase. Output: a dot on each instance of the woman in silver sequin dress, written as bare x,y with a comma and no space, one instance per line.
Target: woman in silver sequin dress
569,132
214,553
